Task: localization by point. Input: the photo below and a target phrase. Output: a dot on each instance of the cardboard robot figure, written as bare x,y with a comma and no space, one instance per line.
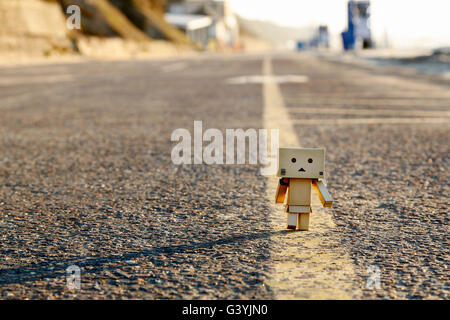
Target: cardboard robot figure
299,169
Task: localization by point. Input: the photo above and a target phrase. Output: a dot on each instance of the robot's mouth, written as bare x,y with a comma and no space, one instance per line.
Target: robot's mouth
302,170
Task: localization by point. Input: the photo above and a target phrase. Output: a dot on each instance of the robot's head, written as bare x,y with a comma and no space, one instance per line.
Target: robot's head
301,162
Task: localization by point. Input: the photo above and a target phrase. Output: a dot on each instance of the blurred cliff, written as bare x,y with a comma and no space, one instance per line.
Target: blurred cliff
114,28
32,27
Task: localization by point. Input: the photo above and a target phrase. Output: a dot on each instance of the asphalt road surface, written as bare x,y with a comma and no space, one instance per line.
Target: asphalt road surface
86,179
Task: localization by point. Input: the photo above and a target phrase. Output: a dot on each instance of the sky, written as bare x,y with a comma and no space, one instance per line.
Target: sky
407,23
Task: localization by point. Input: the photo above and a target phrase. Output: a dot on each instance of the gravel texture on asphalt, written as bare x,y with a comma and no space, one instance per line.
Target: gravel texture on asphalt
86,178
390,182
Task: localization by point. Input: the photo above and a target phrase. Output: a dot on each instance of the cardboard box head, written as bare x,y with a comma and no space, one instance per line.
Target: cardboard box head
301,163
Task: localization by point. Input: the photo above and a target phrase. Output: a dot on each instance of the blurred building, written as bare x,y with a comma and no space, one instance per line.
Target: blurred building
192,16
196,26
321,38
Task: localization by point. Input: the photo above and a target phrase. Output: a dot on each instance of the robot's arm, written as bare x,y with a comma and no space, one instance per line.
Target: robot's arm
283,184
323,193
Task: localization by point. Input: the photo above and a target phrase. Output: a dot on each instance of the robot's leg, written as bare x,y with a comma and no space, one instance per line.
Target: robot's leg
292,220
303,221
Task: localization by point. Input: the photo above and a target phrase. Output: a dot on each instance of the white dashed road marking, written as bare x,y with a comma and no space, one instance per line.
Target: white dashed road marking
351,121
372,112
268,79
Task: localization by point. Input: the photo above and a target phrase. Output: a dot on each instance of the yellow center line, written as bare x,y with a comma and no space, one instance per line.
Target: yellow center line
306,265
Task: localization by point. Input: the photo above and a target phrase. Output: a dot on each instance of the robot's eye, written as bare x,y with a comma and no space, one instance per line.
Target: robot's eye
310,160
293,160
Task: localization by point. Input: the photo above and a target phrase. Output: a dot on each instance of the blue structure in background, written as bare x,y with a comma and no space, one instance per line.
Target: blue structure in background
348,40
358,27
348,36
319,40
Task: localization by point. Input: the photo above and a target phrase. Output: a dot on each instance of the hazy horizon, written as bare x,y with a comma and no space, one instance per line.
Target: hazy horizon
425,26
